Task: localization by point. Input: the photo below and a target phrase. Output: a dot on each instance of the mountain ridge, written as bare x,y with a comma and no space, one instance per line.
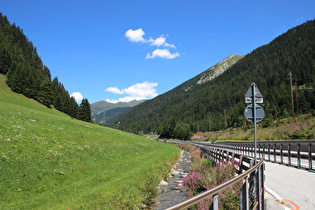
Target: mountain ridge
219,103
102,111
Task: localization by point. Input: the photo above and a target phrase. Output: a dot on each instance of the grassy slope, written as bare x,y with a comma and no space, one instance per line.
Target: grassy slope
301,127
48,160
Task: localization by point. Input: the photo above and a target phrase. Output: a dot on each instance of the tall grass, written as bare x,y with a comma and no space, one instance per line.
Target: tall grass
50,161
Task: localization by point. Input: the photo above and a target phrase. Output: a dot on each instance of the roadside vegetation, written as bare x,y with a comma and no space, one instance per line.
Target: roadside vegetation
49,160
299,127
204,175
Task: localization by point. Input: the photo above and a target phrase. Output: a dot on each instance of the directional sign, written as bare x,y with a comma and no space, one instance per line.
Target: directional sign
249,95
260,113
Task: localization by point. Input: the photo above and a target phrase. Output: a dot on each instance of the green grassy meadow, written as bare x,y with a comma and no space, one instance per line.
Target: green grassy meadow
50,161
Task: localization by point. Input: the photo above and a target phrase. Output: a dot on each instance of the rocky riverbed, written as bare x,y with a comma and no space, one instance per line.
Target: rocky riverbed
172,191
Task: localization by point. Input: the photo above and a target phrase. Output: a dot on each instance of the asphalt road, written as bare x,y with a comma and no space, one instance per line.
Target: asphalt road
292,187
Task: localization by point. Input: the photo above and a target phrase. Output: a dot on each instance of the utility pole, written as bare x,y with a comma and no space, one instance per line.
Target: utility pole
225,123
296,99
210,123
290,74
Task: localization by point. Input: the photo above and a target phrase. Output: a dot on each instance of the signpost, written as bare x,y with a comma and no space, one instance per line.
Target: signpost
254,113
260,113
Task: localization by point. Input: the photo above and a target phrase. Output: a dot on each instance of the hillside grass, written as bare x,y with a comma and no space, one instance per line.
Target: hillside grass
300,127
50,161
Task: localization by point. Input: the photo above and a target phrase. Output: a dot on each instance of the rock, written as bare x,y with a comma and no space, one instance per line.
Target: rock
163,183
173,171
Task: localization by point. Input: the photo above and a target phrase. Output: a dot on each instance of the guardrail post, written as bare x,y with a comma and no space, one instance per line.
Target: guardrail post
227,156
269,151
215,203
241,164
264,151
298,155
244,198
258,151
275,153
289,154
244,149
248,150
281,153
258,186
262,181
310,164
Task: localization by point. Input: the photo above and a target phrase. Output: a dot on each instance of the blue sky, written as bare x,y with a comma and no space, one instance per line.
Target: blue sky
119,50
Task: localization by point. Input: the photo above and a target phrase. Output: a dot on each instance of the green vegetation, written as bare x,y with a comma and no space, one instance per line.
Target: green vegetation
204,175
299,127
49,160
26,73
170,129
219,103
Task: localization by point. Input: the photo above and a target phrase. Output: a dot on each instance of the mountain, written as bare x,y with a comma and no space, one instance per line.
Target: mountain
215,103
212,72
103,112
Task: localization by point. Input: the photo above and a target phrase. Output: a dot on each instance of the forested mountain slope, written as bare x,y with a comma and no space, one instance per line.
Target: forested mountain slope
219,103
26,73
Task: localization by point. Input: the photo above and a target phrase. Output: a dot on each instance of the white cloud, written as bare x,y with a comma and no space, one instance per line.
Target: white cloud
114,90
135,35
169,45
77,96
158,42
125,99
161,41
138,91
163,53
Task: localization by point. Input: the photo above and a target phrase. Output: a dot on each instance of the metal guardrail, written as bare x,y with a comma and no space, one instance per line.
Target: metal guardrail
300,154
252,177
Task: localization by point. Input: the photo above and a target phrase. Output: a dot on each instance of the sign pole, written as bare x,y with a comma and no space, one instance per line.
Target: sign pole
254,116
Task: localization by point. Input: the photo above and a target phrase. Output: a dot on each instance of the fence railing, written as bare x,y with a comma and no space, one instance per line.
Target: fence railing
252,177
292,153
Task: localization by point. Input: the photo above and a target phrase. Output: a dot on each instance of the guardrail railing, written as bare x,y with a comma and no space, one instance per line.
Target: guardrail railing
252,177
292,153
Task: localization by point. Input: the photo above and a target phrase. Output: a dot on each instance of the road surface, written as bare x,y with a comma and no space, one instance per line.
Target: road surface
292,187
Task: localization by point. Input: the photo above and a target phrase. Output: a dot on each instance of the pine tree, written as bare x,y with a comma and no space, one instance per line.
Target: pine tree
84,112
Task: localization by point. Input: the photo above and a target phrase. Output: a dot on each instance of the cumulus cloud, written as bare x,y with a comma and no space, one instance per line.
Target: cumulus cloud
137,36
114,90
163,53
139,91
158,42
77,96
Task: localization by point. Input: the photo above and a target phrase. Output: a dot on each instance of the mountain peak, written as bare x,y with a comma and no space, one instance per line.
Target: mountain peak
218,69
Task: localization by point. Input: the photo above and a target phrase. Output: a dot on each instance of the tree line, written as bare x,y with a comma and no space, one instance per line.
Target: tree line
26,73
220,103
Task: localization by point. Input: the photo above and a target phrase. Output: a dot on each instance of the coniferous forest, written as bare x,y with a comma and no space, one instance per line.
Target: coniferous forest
220,103
26,73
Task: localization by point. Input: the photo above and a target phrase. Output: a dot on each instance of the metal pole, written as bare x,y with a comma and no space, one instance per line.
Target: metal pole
215,202
254,116
310,166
